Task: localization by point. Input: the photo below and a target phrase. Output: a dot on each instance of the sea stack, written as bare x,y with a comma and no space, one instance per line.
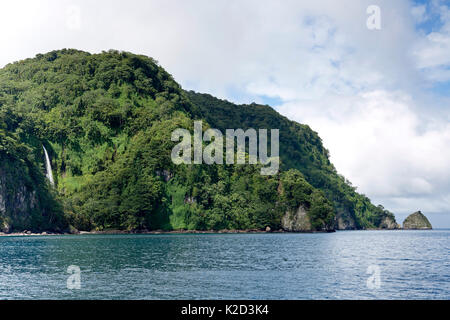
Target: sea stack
417,221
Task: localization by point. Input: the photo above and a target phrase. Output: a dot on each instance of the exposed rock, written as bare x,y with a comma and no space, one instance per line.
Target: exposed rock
268,229
417,221
2,204
389,223
25,201
4,227
296,222
17,201
345,222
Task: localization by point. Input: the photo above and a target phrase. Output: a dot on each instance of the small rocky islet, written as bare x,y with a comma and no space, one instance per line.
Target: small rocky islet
417,221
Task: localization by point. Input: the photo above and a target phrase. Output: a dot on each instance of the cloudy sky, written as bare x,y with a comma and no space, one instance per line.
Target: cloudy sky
379,98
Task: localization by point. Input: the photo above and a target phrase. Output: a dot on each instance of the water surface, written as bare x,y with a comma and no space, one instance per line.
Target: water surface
412,264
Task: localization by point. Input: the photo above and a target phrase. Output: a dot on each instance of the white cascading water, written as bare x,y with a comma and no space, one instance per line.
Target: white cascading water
48,167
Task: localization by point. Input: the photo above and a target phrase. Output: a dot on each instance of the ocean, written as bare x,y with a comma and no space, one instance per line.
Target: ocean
342,265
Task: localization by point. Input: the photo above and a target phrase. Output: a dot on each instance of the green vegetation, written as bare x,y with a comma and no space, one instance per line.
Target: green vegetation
106,121
300,148
26,202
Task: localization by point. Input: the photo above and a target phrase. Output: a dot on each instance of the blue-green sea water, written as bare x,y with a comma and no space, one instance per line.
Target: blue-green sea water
411,265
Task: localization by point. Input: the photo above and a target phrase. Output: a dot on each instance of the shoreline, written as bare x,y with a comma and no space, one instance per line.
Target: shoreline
174,232
162,232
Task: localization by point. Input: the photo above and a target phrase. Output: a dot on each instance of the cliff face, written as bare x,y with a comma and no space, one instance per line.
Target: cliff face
296,222
389,223
300,221
345,222
417,221
26,202
17,201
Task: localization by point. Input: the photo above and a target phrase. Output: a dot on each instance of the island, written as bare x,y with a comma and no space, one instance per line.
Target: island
417,221
86,146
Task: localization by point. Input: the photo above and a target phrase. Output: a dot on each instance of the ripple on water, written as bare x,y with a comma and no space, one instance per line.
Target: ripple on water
413,265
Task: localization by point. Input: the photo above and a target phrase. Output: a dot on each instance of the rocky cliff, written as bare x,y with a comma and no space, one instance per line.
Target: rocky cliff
300,221
26,202
15,205
297,221
345,222
417,221
389,223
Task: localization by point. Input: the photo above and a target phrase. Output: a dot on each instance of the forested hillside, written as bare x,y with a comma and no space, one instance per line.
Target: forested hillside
300,148
106,121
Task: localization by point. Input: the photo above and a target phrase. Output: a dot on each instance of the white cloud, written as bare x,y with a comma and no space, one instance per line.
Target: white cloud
433,51
382,145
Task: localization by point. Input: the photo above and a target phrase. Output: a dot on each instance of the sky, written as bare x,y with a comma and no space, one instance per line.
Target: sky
376,87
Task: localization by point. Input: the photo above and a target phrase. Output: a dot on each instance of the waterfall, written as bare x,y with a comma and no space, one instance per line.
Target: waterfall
48,167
